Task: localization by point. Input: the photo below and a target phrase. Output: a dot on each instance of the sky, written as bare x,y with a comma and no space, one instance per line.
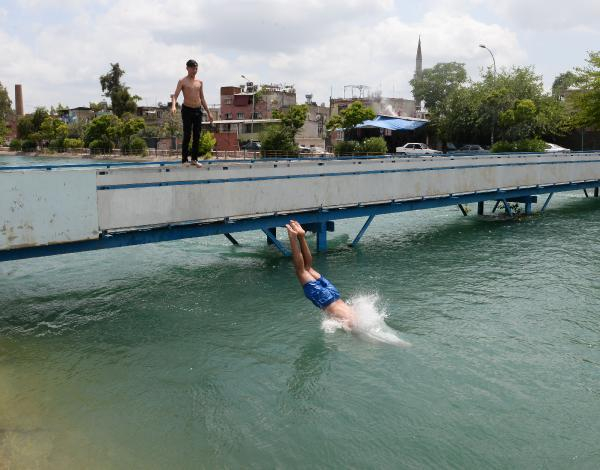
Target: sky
57,49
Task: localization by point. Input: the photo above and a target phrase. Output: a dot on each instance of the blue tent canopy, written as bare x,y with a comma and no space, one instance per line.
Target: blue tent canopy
393,123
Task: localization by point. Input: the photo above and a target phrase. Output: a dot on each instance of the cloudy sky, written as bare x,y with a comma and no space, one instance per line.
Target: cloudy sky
57,49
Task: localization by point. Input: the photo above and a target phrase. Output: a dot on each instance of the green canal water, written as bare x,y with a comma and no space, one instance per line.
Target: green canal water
198,354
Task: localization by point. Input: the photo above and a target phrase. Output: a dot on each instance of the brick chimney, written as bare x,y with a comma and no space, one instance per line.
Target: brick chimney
19,100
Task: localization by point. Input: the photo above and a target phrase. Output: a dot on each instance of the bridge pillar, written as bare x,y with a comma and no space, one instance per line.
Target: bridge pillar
320,229
596,192
272,231
480,207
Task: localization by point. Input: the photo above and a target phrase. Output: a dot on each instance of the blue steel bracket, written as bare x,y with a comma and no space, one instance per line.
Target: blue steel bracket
362,230
231,239
507,207
315,227
546,203
276,242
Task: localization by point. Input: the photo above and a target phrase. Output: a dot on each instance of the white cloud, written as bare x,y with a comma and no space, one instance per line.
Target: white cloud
315,44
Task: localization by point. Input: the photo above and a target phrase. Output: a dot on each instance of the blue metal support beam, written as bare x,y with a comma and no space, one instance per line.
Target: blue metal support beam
463,210
322,237
585,192
276,242
528,210
363,230
480,207
231,239
496,206
273,232
596,191
507,207
547,202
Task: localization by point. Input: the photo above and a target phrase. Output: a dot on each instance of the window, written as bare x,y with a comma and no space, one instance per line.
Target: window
248,128
240,115
228,116
228,100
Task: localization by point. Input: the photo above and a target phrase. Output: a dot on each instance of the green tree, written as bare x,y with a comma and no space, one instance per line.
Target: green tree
5,112
121,100
54,129
5,104
562,83
103,132
277,139
587,98
207,143
130,140
438,82
280,138
511,105
350,117
294,118
38,117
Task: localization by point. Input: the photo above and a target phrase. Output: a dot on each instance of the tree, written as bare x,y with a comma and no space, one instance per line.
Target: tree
278,138
5,104
294,118
562,83
511,105
438,82
587,98
121,101
54,131
129,130
281,137
350,117
103,132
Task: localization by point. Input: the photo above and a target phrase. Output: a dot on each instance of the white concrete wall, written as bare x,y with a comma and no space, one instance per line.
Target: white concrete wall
124,208
44,207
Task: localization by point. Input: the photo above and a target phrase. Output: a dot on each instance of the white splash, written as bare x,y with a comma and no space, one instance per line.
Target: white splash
370,322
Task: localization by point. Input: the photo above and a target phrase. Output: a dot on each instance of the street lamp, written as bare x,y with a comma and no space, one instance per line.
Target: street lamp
483,46
252,117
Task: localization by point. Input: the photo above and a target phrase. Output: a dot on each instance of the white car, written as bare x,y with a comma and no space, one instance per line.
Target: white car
553,148
416,148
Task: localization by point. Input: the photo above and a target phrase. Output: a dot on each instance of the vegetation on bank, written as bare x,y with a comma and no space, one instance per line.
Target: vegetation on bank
509,108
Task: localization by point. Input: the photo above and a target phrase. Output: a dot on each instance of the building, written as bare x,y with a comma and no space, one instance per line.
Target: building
251,102
312,134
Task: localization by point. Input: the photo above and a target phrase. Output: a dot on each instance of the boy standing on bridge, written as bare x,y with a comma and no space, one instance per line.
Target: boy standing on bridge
191,110
316,288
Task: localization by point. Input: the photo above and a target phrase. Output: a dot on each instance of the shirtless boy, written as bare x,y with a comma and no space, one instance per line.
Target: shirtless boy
191,110
316,288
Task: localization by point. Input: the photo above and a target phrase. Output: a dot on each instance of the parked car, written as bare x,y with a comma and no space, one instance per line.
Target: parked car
416,148
553,148
472,148
313,151
253,145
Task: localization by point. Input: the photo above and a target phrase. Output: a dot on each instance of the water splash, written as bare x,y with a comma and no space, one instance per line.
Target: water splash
370,321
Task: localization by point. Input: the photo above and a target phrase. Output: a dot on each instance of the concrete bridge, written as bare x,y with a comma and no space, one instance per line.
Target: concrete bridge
47,210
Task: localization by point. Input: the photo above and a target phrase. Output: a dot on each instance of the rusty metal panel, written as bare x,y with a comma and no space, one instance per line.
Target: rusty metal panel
40,207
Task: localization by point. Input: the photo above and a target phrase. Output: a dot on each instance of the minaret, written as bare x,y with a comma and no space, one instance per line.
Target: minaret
419,64
418,74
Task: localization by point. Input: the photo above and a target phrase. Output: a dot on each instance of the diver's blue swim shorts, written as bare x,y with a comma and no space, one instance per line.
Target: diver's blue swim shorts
321,292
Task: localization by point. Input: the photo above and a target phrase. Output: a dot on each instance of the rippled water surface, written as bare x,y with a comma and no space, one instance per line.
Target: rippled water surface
197,354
